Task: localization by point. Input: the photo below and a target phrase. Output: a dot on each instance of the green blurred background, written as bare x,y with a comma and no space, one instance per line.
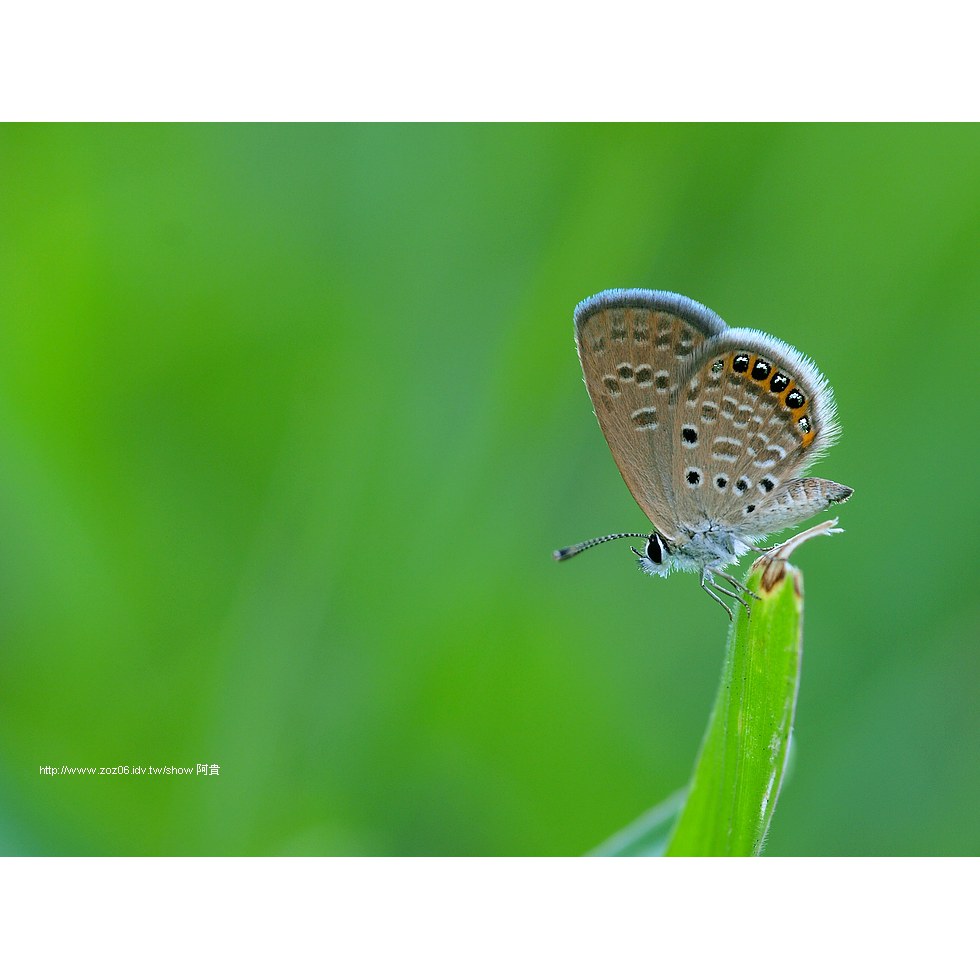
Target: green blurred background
291,420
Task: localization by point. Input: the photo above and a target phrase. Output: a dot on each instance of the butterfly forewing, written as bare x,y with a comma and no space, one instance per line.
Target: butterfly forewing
749,416
636,347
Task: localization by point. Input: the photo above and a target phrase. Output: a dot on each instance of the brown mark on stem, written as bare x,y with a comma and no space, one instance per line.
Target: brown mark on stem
773,563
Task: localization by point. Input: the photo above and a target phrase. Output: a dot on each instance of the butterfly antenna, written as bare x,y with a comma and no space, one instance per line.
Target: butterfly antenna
575,549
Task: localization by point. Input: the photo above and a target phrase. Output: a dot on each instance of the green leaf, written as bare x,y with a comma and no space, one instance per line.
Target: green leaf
743,756
728,805
646,836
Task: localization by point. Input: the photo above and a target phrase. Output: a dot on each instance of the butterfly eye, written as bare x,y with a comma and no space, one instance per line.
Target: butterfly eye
654,549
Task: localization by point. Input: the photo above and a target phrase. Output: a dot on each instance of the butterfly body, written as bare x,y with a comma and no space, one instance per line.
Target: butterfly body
695,550
712,427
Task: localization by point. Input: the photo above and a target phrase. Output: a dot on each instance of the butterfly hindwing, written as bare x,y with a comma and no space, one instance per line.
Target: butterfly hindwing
749,416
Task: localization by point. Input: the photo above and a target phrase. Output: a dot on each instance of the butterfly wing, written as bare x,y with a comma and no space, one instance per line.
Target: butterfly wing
750,415
636,345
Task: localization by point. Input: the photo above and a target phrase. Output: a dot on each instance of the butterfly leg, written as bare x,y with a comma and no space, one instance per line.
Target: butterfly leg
738,585
731,595
720,602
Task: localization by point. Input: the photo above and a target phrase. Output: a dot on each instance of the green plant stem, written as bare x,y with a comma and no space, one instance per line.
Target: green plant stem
740,769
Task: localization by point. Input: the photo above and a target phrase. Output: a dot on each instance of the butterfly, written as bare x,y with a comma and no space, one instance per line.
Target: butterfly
712,428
